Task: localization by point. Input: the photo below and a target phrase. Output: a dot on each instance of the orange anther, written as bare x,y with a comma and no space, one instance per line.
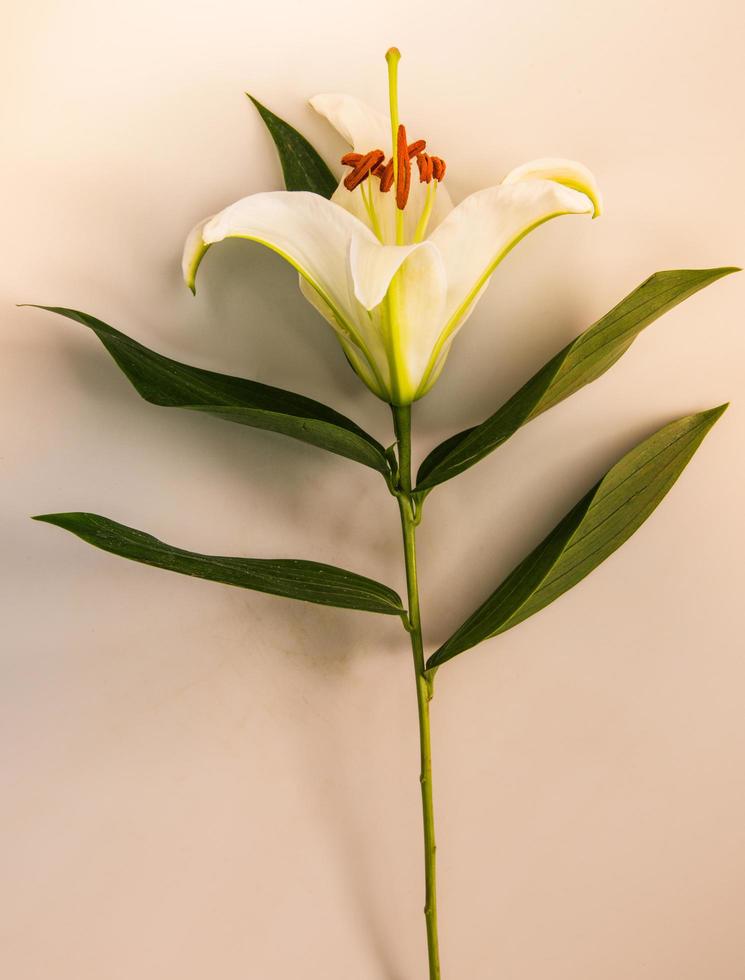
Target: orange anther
403,175
363,168
438,168
351,159
386,178
424,162
365,164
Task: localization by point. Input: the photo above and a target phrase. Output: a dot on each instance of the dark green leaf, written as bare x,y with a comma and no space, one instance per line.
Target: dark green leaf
605,517
306,580
162,381
303,168
581,362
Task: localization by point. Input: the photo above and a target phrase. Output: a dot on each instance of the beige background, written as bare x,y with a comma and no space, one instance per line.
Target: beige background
204,783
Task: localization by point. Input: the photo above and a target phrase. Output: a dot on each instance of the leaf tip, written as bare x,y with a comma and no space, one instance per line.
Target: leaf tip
718,411
67,521
722,271
261,109
714,274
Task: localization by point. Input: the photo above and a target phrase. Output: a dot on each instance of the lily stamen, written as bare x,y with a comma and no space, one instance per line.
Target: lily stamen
363,168
403,169
424,162
386,178
438,168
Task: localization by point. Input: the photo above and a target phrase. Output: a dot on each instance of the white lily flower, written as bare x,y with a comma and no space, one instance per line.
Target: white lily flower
389,262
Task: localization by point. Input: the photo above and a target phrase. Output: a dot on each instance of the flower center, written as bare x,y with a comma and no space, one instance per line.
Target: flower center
397,170
372,164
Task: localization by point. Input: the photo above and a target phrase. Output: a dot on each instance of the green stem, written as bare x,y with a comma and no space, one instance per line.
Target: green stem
409,519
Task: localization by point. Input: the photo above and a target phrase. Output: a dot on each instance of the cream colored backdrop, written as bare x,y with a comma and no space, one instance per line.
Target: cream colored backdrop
205,783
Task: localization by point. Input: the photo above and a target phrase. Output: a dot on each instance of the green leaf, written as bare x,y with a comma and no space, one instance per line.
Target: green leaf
306,580
163,381
581,362
599,524
303,168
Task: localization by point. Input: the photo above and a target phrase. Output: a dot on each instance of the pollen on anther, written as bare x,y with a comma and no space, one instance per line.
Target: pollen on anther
424,162
403,175
351,159
438,168
416,148
386,178
363,168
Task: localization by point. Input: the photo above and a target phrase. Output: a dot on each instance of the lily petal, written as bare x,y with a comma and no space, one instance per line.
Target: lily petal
363,127
311,233
403,289
194,249
420,295
566,172
482,229
372,267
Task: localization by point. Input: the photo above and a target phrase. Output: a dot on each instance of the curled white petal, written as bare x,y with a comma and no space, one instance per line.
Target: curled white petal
479,232
483,228
363,127
194,249
566,172
311,233
314,236
373,266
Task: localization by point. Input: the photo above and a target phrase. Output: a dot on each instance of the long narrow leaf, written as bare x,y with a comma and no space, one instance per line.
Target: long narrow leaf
162,381
579,363
599,524
306,580
302,166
